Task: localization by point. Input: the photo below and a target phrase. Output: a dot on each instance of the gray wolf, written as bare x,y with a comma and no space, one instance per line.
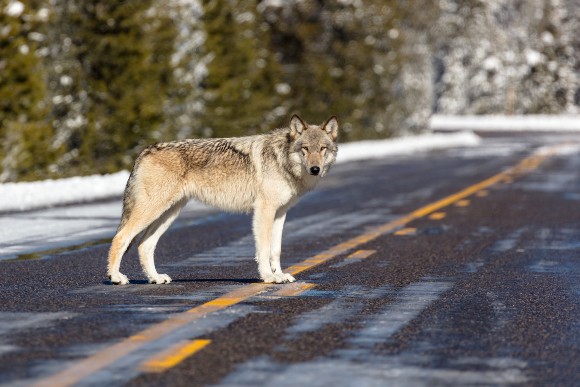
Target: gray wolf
264,174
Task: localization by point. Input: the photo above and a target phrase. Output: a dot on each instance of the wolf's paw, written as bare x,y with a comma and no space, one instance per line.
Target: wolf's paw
278,278
119,279
268,278
283,278
288,277
160,279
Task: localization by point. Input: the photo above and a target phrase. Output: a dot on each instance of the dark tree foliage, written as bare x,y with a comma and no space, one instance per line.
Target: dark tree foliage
123,53
86,84
240,88
342,58
25,131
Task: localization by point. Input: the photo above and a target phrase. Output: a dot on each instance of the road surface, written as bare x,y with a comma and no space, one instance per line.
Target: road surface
456,267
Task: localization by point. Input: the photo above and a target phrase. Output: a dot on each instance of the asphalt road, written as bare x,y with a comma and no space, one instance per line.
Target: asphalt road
457,267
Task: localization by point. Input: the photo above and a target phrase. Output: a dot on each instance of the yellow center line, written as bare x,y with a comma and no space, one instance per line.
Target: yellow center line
525,166
173,355
109,355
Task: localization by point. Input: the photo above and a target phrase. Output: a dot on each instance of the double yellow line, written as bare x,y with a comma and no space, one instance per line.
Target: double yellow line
109,355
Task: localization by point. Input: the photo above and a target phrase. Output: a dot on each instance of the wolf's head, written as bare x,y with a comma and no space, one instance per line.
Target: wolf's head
313,146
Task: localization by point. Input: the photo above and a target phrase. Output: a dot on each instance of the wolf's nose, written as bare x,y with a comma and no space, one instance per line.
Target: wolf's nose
314,171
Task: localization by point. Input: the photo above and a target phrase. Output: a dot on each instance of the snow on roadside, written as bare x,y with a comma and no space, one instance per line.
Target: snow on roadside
362,150
46,193
561,123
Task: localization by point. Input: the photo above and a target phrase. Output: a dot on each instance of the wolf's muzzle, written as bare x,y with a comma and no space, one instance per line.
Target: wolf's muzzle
314,171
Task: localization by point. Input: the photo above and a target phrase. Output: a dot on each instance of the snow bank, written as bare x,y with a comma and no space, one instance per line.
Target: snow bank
40,194
569,123
46,193
362,150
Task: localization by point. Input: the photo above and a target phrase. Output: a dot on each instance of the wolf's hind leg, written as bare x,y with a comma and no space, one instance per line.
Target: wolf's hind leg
120,243
142,215
149,242
276,248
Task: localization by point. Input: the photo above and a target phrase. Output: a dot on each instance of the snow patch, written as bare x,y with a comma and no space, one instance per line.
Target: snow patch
404,146
562,123
46,193
533,57
14,9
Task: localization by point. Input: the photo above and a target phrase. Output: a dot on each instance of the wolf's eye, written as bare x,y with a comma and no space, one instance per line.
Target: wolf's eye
305,148
323,148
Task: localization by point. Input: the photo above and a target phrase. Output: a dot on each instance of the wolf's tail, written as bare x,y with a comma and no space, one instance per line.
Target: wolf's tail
129,196
128,199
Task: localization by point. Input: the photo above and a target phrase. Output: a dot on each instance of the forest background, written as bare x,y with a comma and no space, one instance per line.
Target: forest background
86,84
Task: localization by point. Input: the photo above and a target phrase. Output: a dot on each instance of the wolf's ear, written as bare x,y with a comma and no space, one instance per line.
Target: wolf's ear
297,126
331,127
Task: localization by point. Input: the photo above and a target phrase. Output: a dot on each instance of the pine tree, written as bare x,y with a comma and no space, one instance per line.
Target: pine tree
180,38
552,78
68,95
502,56
26,149
346,58
184,106
240,87
118,78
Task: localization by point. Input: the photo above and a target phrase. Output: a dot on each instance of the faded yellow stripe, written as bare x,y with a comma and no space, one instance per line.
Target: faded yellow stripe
524,166
463,203
406,231
294,289
437,215
224,301
173,355
361,254
105,357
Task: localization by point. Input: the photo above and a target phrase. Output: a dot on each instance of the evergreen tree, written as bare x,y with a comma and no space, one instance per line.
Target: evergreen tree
120,75
184,106
345,58
68,95
501,56
240,87
552,78
86,84
26,149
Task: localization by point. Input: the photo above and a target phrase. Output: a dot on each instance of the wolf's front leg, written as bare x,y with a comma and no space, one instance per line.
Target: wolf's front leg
264,215
276,248
262,226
